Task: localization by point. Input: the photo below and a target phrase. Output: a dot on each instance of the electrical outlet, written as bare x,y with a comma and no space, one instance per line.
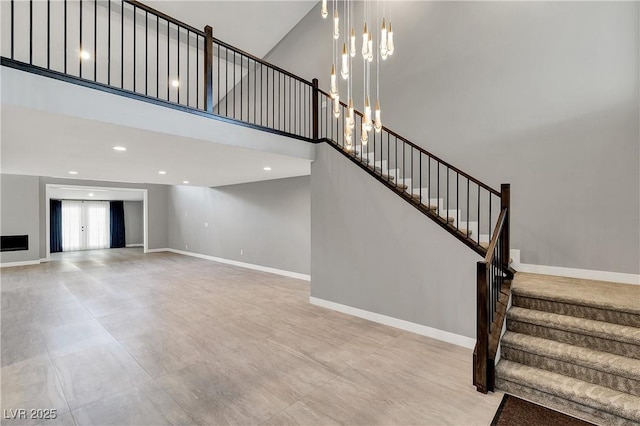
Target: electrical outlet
241,252
185,214
206,224
186,247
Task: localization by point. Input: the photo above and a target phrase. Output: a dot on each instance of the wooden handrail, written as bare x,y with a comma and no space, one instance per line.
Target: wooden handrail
496,236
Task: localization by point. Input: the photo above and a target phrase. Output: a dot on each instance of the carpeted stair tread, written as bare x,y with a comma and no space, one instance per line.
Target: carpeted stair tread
568,388
598,329
598,294
602,361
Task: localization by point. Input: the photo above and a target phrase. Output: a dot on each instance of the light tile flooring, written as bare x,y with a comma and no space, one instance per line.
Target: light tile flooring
120,337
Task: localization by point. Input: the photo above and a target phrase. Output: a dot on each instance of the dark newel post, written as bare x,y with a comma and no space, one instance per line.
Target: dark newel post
208,69
505,203
315,109
482,329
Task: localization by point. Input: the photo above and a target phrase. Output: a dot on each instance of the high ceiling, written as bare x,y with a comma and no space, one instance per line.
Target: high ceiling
253,26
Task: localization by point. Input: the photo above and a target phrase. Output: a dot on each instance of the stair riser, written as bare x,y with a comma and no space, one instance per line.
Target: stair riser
560,404
573,338
597,314
622,384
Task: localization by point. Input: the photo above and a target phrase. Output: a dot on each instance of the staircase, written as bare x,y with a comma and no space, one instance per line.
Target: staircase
574,346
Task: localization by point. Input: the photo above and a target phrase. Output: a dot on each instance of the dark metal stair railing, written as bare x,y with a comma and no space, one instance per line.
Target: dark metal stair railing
135,51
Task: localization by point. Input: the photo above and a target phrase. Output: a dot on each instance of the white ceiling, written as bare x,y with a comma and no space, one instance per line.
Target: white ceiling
253,26
77,192
44,144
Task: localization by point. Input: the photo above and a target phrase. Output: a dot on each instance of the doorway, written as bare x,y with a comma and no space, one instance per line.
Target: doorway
91,213
85,225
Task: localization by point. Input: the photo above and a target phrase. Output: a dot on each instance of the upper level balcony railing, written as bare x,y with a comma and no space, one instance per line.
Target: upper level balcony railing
139,51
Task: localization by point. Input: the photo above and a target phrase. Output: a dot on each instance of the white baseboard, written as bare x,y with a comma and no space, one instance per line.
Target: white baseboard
282,272
45,260
23,263
135,245
412,327
158,250
585,274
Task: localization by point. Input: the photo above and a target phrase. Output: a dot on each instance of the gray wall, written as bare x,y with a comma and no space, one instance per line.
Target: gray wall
157,198
19,214
134,222
543,95
375,252
268,221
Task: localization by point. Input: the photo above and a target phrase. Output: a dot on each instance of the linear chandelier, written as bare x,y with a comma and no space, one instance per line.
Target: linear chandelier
384,48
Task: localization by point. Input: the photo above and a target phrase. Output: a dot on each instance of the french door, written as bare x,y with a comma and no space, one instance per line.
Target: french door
85,225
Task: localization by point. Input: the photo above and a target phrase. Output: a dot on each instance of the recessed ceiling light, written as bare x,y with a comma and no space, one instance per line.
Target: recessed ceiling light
119,148
73,172
185,182
267,169
162,172
175,83
85,55
91,194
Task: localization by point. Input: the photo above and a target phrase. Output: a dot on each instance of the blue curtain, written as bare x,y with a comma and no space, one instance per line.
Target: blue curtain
117,224
55,225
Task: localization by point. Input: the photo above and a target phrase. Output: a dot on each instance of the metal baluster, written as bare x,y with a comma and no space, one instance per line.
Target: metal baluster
458,203
95,41
48,34
65,30
122,45
135,30
468,213
80,34
198,71
178,62
146,53
158,57
168,62
109,43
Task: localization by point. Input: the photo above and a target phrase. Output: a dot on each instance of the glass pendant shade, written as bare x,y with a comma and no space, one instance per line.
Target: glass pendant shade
366,121
364,135
345,62
334,85
324,12
370,49
352,46
365,42
390,45
352,117
336,25
348,133
378,121
383,41
336,106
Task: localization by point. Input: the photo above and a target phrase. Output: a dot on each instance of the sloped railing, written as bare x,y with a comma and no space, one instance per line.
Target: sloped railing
128,48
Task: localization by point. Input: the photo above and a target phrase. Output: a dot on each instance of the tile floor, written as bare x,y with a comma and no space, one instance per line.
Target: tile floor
117,337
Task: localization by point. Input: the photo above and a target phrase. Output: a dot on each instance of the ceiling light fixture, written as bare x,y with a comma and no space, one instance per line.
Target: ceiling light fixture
186,182
73,172
91,194
119,148
267,169
162,172
85,55
377,31
175,83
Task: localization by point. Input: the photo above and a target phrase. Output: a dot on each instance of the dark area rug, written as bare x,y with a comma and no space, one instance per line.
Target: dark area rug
515,411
